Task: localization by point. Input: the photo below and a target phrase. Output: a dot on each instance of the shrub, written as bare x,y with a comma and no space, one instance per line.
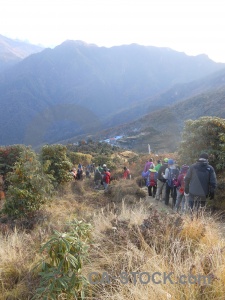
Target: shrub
207,134
77,157
64,255
9,155
29,187
56,163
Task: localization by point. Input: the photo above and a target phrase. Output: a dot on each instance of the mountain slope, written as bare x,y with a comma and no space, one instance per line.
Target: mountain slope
177,93
77,88
13,51
162,128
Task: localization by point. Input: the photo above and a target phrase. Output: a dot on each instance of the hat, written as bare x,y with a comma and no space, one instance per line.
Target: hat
104,165
170,162
204,155
165,159
184,168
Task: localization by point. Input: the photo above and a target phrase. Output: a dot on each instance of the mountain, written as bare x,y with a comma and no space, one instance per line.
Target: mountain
177,93
162,128
78,88
13,51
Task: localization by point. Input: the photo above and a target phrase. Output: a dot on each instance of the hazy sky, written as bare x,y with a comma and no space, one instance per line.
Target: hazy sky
190,26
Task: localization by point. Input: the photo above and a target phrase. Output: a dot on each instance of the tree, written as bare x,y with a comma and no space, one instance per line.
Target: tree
206,134
9,155
56,163
29,187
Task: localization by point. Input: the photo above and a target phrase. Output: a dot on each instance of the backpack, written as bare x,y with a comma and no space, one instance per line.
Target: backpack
106,177
182,186
153,179
172,177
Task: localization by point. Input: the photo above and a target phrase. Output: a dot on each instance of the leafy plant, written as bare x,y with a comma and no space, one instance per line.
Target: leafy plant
61,267
56,163
29,187
9,155
207,134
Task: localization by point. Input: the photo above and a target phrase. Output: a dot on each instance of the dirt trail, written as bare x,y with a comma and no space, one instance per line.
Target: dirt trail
159,205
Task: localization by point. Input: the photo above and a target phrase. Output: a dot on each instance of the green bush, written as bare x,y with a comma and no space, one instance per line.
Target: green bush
29,187
56,163
61,266
207,134
77,157
9,155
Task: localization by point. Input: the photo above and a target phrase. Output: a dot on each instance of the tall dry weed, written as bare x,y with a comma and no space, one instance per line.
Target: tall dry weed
140,239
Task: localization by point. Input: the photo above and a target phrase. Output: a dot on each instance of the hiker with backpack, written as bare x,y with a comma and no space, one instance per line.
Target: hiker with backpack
159,164
171,175
97,178
151,181
161,182
126,173
182,200
148,165
106,178
200,182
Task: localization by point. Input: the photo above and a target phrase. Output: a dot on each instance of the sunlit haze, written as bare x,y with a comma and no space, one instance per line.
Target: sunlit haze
189,26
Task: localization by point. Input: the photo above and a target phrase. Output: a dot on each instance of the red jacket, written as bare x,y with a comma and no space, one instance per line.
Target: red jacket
106,177
126,174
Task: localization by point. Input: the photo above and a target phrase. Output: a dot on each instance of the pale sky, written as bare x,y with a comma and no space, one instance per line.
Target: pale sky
190,26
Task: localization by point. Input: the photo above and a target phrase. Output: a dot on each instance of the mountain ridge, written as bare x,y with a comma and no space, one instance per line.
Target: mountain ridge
94,84
13,51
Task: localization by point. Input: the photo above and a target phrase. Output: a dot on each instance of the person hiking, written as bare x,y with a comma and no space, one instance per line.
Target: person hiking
171,175
161,182
148,164
73,172
159,164
151,180
126,173
2,188
182,200
97,178
200,182
106,178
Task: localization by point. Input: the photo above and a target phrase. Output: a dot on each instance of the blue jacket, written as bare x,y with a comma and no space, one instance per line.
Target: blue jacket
200,179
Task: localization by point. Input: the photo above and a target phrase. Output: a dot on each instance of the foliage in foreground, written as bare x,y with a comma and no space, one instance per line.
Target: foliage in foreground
61,266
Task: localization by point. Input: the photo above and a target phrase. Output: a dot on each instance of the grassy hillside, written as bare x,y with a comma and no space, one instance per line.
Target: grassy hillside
128,235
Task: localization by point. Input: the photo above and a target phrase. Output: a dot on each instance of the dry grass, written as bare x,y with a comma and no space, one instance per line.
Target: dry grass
128,235
18,253
162,243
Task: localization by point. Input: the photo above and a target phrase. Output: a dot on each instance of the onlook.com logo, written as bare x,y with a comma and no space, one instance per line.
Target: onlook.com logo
146,277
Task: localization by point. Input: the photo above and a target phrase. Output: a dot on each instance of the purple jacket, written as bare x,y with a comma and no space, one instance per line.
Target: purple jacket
148,165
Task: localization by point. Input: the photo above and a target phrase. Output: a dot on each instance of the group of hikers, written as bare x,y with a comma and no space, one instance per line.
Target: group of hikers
101,174
188,186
